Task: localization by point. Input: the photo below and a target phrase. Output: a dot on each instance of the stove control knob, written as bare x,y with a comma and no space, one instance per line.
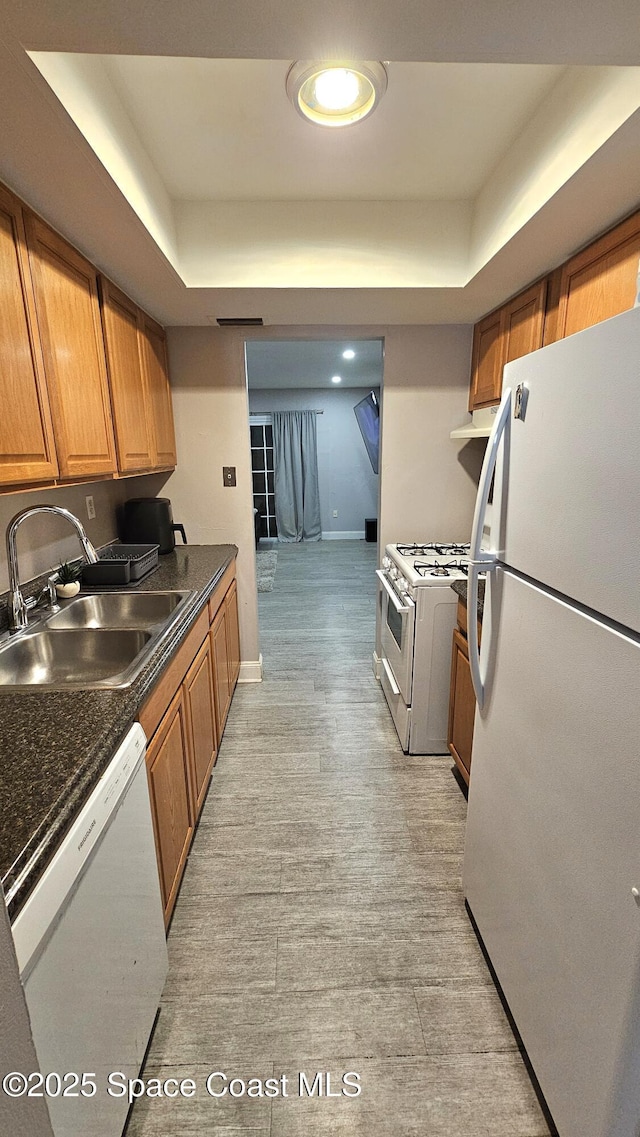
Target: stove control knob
386,562
403,584
393,572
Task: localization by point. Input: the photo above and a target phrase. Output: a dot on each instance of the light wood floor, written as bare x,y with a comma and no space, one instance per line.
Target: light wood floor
321,924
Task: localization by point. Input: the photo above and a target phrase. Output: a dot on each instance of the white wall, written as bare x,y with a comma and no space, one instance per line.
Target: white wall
428,482
346,480
584,109
45,541
211,413
323,244
83,85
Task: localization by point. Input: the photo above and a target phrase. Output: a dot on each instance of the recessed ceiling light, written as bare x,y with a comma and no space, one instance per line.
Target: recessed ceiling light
348,354
336,379
336,93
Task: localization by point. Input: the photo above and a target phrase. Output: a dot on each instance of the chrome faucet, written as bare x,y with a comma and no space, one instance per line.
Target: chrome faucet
18,606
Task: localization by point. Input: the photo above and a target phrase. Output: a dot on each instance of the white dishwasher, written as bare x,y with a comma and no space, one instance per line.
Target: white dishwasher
91,948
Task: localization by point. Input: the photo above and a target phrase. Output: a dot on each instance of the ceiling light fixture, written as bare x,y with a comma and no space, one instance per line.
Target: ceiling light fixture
336,379
336,93
348,354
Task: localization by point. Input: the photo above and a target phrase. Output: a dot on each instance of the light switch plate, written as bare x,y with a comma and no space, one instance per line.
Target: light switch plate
229,475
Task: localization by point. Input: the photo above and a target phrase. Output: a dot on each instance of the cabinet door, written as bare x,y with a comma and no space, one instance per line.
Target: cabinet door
201,719
66,296
487,361
524,322
168,773
154,357
120,322
600,282
220,649
462,706
233,635
27,450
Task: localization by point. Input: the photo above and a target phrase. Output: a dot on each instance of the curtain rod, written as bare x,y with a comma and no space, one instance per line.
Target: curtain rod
260,414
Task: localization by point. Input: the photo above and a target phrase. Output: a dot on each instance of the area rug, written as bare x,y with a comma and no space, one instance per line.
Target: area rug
266,570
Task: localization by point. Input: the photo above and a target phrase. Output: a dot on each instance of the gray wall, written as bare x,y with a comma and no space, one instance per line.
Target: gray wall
346,479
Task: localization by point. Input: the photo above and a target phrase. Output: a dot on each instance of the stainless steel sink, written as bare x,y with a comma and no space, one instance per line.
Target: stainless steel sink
99,640
89,657
118,610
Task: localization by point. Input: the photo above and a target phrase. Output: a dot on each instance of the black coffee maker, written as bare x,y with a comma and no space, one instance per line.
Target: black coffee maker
149,521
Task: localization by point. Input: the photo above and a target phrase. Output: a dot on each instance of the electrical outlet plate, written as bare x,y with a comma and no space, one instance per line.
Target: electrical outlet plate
229,475
335,513
91,509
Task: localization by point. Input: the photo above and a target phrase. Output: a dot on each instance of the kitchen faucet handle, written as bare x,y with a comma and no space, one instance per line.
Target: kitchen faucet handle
48,596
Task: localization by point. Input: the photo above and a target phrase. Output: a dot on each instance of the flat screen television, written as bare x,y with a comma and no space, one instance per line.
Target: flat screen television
367,413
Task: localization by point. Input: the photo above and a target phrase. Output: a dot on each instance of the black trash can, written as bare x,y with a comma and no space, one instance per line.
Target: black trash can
371,529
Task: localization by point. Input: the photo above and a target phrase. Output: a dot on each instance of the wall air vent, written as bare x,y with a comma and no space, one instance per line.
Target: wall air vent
240,322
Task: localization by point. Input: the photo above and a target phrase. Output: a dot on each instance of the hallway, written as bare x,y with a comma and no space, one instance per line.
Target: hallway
320,925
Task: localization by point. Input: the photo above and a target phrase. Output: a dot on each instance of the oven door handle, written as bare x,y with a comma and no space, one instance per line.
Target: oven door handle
390,677
401,609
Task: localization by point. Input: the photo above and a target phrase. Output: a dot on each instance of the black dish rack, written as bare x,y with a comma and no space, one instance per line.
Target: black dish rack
121,564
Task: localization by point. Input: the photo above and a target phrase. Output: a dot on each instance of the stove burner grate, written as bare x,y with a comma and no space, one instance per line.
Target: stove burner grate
434,548
434,569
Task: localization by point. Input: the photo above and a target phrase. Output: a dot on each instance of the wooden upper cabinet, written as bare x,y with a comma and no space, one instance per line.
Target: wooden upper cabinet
66,295
487,361
506,334
154,359
601,281
524,322
27,450
121,322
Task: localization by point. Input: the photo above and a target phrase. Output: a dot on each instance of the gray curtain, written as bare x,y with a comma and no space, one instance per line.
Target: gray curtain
295,460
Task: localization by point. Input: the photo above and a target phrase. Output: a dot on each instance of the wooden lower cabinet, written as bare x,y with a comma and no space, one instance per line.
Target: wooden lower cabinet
171,808
462,706
462,699
220,650
198,689
233,635
184,735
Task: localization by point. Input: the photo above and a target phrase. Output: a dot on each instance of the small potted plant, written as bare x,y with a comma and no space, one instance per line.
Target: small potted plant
68,580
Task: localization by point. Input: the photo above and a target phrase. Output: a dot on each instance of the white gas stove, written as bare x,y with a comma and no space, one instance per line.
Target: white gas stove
417,618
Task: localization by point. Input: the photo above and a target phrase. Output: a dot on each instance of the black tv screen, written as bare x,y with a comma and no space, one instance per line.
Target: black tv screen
367,413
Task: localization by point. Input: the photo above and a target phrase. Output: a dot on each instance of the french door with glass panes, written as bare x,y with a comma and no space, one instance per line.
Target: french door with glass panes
262,471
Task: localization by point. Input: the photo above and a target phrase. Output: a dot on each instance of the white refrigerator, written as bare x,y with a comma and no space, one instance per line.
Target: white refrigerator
552,855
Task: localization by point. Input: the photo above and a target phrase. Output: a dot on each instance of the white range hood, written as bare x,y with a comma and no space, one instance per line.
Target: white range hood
478,426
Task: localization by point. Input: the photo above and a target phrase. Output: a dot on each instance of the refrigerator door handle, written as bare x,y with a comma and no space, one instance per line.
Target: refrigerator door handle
483,561
488,467
472,632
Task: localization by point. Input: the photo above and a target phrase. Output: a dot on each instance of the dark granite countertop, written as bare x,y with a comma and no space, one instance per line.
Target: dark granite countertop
461,586
54,745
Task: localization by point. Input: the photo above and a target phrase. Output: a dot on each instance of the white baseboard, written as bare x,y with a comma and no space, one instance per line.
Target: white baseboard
344,535
377,665
251,671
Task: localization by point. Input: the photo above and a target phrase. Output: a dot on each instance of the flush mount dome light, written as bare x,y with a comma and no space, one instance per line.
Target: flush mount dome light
336,93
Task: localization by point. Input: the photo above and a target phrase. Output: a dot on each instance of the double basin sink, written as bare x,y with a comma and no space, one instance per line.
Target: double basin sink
98,640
